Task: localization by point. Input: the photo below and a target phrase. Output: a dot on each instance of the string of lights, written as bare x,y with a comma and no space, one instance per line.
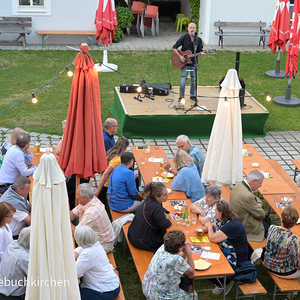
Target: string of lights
70,74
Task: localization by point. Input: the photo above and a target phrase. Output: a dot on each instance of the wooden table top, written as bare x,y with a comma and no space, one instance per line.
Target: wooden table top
274,185
218,268
149,169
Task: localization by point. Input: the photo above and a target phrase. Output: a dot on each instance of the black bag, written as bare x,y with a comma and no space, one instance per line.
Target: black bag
186,283
245,273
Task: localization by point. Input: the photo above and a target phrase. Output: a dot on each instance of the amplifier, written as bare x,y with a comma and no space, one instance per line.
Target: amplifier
161,89
128,88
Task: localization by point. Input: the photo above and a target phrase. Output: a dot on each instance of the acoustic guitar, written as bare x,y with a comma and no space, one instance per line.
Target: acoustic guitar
177,63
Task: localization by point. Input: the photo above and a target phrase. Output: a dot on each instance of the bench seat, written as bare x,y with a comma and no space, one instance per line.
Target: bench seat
284,285
261,33
45,34
112,261
141,258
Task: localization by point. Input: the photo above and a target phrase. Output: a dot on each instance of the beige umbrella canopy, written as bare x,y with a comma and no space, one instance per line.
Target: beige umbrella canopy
51,261
224,159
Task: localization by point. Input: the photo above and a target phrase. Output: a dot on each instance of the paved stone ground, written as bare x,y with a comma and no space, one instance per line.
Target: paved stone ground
281,145
166,39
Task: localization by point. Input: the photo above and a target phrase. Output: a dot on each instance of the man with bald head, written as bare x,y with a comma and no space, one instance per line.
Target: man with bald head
110,128
189,41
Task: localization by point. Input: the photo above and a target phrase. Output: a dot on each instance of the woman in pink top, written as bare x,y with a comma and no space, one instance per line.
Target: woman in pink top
6,215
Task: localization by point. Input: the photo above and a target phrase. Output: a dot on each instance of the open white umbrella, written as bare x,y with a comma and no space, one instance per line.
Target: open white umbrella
224,159
52,271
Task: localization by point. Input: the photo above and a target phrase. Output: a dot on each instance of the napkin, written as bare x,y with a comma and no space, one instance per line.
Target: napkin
210,255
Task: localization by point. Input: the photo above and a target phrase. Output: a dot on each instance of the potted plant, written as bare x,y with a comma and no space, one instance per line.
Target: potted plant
124,17
118,34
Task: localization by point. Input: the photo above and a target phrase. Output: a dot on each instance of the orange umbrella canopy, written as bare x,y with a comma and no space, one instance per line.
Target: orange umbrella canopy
83,152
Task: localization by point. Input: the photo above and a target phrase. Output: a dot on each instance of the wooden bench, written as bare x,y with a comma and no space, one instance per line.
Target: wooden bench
45,34
285,286
112,261
16,25
250,290
141,258
296,162
261,33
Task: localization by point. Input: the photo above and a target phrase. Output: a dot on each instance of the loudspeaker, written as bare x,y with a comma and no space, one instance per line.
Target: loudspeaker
161,89
242,90
128,88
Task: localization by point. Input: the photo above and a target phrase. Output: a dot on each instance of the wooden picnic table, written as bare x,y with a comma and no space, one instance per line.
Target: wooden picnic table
270,186
151,169
219,268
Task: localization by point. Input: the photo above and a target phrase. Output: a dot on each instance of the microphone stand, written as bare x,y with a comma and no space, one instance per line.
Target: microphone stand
195,79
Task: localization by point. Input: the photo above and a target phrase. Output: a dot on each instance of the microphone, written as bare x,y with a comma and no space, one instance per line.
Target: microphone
193,33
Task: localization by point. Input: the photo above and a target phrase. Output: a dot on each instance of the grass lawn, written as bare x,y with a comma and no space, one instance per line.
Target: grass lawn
24,72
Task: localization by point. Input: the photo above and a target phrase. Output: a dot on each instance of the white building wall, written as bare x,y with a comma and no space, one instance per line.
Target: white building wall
234,10
65,15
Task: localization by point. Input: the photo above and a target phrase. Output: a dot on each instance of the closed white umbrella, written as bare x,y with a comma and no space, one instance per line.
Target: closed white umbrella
52,271
224,159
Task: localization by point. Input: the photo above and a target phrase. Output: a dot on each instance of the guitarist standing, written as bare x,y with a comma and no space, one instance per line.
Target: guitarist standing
186,42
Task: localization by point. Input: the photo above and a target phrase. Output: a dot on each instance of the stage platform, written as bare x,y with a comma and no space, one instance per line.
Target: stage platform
157,118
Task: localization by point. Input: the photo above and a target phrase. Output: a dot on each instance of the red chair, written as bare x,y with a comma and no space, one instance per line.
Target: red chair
150,20
137,9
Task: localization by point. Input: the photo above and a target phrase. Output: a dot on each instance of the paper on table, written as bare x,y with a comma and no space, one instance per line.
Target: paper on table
153,159
210,255
159,179
204,239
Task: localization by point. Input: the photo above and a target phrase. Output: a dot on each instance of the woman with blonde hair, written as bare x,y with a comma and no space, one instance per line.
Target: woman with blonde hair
188,179
113,160
12,139
6,215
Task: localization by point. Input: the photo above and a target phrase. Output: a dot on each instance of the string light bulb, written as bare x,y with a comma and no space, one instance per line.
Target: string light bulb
34,100
268,97
226,103
70,73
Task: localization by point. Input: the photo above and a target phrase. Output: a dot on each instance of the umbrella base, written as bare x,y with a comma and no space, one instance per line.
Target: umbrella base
108,68
274,74
283,101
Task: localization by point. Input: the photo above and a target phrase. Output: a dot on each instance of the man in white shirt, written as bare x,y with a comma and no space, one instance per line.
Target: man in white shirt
17,195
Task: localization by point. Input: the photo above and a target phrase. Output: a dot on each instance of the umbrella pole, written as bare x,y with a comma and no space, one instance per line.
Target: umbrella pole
76,186
287,100
276,73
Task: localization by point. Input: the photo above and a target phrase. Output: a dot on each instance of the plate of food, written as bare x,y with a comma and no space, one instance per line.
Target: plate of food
170,175
201,264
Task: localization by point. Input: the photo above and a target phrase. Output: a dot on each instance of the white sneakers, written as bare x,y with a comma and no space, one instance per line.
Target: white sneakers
219,290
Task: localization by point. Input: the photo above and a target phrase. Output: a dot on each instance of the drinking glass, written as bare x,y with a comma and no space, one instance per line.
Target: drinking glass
207,248
193,218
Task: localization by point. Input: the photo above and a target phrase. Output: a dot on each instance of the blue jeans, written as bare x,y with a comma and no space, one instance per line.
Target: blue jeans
184,74
88,294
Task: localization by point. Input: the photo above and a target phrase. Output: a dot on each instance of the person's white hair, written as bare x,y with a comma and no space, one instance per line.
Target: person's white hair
184,138
85,236
254,175
86,190
24,238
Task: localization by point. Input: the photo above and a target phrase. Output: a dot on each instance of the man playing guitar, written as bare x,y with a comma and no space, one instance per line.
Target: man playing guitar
186,42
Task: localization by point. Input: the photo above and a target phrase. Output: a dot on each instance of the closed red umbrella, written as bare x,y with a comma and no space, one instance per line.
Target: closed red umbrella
280,31
83,151
293,50
106,21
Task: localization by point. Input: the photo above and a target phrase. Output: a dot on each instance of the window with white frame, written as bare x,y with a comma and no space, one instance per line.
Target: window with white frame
34,7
